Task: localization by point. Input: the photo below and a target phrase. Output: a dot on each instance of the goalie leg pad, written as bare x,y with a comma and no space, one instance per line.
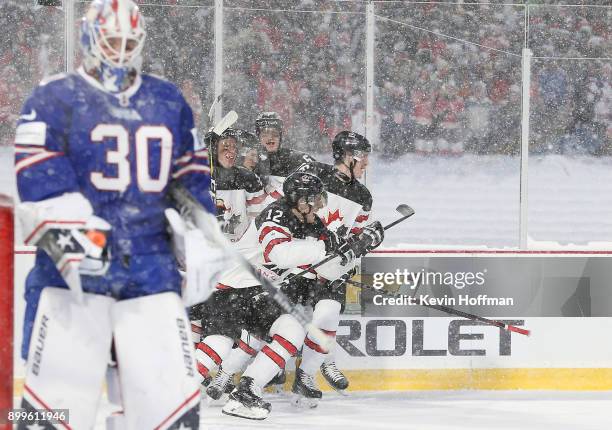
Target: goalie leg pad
157,369
68,355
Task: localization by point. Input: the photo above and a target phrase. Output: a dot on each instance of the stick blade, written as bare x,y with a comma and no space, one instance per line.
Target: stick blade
226,122
405,210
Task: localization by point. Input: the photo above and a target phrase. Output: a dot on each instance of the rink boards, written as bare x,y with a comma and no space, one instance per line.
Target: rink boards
442,352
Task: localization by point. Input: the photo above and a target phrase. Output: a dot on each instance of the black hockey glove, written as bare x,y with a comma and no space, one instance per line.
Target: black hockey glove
336,244
332,241
352,249
373,234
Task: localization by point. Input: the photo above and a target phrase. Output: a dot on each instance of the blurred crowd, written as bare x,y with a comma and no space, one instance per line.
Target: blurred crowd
447,76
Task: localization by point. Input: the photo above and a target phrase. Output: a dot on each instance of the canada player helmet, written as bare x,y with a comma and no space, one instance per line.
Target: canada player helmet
305,185
269,120
349,141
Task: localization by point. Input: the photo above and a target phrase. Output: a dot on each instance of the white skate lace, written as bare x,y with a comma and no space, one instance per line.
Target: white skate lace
333,371
255,389
221,380
308,381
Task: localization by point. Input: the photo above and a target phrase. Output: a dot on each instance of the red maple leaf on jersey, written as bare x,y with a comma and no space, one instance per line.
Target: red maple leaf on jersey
333,216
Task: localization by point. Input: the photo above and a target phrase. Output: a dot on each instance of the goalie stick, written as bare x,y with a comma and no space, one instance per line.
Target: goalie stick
403,209
184,199
448,310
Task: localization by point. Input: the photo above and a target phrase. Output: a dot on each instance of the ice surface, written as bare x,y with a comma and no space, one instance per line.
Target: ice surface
431,410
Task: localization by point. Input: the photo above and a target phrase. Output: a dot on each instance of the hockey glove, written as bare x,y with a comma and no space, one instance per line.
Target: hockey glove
336,244
94,240
66,229
332,241
202,259
373,234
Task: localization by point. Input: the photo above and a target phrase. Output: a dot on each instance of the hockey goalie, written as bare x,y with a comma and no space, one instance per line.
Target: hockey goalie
96,152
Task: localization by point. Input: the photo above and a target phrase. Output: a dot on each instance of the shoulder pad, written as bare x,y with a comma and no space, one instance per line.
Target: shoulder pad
48,79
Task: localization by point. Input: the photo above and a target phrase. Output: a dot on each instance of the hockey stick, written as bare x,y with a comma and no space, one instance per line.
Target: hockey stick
450,311
226,122
184,199
403,209
212,107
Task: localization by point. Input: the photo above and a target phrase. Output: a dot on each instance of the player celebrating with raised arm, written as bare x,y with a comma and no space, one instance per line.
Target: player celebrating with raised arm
96,151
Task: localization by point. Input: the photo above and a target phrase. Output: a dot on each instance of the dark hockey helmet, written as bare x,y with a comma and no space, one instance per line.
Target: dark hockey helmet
305,185
348,141
269,120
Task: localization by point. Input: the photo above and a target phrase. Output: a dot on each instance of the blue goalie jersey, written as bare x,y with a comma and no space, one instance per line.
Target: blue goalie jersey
119,151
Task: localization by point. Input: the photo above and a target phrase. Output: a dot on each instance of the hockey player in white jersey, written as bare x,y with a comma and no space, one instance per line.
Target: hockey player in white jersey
347,212
286,235
239,196
239,193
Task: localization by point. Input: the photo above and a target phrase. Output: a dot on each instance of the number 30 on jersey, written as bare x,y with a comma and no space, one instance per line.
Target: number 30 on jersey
119,157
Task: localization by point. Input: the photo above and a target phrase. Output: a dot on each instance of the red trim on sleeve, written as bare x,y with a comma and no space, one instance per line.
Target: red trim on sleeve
210,352
35,159
280,362
291,349
276,195
362,218
271,245
256,200
268,229
221,286
329,332
356,230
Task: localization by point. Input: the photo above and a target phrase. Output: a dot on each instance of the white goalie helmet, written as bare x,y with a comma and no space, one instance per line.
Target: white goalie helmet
112,39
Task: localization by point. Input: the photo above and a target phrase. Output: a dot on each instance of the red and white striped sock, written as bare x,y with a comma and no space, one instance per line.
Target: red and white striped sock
211,352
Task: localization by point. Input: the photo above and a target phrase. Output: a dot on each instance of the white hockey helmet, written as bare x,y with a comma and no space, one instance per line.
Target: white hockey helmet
112,39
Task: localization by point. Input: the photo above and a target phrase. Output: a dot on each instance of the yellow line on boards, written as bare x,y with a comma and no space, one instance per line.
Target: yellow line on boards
574,379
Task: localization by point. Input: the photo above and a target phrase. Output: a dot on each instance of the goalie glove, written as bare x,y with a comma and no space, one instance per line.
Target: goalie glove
66,229
202,260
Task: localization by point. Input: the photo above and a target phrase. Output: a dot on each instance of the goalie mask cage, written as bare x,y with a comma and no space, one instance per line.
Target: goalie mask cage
6,304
